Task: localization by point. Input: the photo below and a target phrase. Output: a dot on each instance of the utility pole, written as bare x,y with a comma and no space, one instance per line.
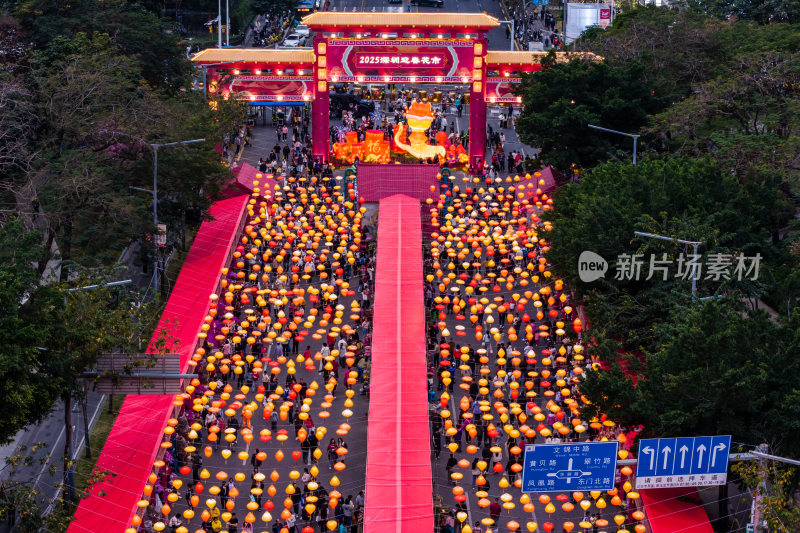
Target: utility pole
513,33
154,192
227,23
69,441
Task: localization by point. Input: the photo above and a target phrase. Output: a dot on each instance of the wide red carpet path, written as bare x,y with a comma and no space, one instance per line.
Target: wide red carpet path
398,485
131,448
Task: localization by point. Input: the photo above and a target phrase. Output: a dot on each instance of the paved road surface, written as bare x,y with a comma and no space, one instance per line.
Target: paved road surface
44,444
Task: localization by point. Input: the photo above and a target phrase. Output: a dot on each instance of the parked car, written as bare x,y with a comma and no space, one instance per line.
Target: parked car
395,1
428,3
294,40
303,30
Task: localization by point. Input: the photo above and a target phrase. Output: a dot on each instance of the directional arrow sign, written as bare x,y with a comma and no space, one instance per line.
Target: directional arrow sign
569,466
665,456
720,448
700,464
701,450
684,454
683,462
649,450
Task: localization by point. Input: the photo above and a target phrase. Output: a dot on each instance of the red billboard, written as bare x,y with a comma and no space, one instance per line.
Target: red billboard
271,88
397,61
499,91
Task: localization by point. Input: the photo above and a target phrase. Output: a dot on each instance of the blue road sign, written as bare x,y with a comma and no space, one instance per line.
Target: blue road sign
683,462
569,466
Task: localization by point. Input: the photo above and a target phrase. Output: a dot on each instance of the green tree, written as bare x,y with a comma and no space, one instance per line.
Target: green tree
746,117
711,371
564,98
27,393
759,11
776,484
134,31
98,125
82,325
680,50
680,197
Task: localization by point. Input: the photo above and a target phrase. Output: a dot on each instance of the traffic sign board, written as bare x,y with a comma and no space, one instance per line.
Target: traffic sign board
683,462
569,466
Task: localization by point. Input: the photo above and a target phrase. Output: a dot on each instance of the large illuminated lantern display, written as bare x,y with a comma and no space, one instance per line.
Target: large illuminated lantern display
419,117
374,149
408,139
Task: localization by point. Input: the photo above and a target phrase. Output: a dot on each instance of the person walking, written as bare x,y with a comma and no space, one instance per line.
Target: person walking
348,508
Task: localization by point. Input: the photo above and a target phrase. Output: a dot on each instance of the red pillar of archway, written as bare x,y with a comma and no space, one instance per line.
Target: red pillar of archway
320,108
477,108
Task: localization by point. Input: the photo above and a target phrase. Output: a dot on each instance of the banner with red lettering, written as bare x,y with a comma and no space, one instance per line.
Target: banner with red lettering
271,88
499,91
397,61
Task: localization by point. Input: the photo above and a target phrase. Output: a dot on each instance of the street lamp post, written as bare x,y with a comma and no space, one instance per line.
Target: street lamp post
219,24
694,244
513,34
154,192
635,137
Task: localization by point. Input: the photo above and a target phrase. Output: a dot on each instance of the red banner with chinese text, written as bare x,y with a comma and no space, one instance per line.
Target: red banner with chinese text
499,90
397,61
271,88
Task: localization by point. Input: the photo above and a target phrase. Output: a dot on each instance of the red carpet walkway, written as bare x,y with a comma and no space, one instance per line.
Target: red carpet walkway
131,447
398,486
675,510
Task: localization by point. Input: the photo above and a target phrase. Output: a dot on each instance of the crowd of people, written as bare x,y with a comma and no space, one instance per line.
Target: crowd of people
268,29
499,162
536,25
285,343
506,355
386,122
291,154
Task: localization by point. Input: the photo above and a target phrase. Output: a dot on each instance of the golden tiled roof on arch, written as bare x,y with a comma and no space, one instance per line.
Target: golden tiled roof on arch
254,55
453,21
495,57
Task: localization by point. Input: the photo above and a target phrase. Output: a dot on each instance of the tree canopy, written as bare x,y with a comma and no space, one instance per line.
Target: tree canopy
674,361
564,98
86,87
87,130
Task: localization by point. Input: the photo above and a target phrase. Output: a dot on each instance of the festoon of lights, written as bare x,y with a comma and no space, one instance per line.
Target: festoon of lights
289,222
489,256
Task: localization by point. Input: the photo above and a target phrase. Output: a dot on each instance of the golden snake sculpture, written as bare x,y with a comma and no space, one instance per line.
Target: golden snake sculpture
419,146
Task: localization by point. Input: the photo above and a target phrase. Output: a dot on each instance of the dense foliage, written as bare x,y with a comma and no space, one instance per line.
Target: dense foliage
85,88
690,83
102,82
717,103
675,360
